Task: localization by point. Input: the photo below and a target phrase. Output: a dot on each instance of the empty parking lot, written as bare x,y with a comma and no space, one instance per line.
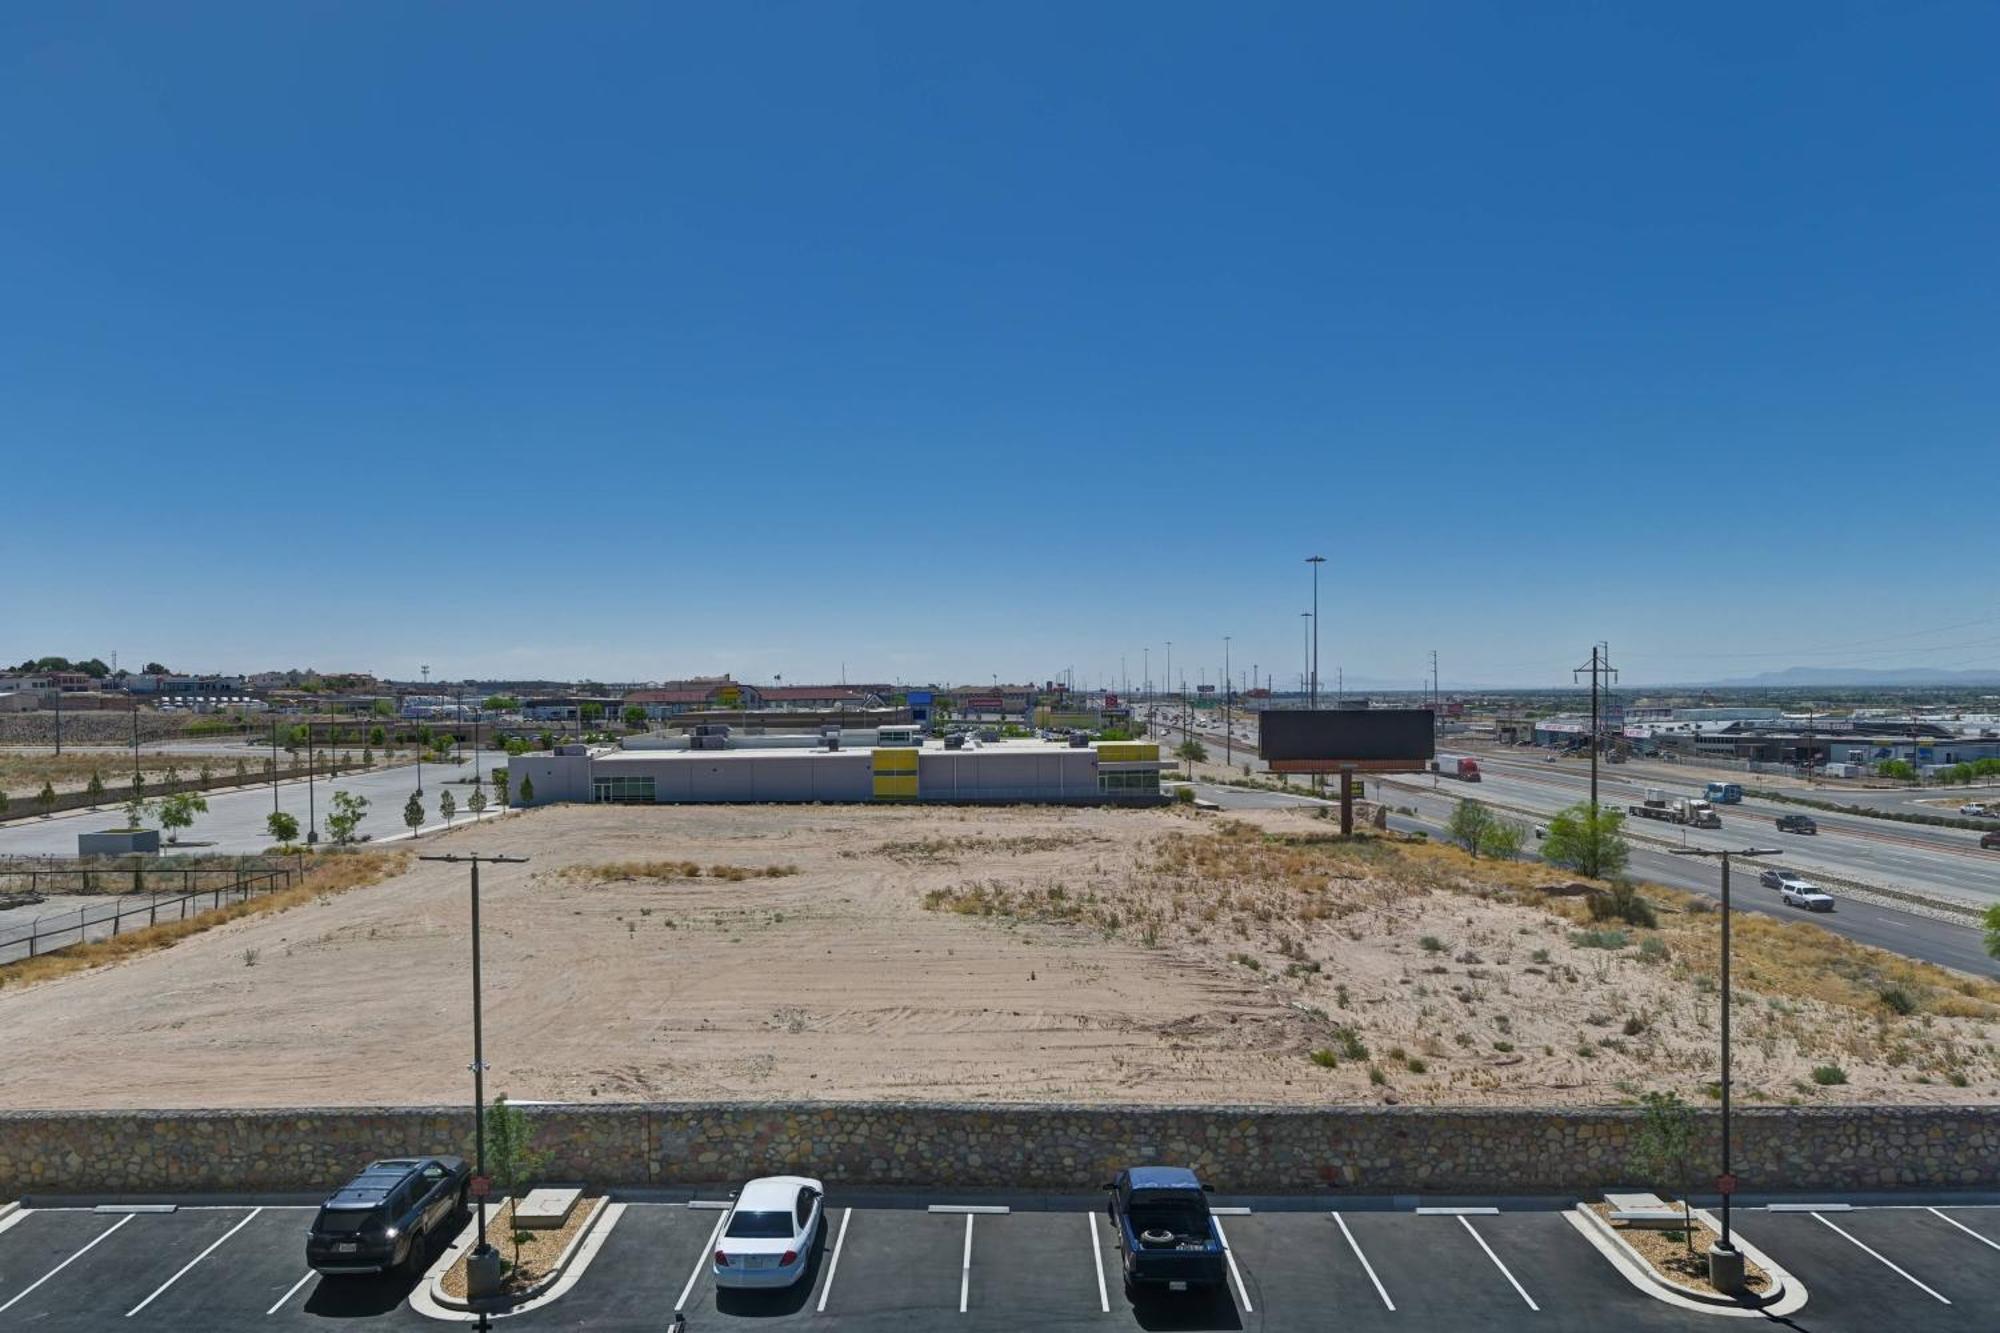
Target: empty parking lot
930,1263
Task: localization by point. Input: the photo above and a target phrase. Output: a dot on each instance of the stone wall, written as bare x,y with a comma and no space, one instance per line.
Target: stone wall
1369,1150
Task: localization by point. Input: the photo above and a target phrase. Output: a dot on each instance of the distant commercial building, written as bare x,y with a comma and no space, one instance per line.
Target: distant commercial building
187,687
797,769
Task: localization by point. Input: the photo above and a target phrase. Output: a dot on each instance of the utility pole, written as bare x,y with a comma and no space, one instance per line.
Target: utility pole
1306,660
1312,688
1228,726
1598,667
1725,1262
482,1273
1434,687
58,716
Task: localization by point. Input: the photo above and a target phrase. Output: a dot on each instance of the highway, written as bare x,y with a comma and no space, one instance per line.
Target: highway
234,823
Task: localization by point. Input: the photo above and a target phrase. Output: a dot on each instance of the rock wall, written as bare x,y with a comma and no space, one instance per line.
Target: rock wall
1368,1150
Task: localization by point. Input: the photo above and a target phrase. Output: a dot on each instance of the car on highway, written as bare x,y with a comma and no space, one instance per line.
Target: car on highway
1990,841
768,1238
1780,879
1163,1229
1807,895
1797,824
1972,808
384,1218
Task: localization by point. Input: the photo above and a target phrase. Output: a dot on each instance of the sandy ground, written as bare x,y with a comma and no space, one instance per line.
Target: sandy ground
1080,954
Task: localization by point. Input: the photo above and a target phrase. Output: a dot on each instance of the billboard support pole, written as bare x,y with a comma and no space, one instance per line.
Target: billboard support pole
1347,800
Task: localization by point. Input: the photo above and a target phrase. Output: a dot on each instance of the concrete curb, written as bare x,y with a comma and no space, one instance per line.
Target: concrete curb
7,1210
437,1304
1787,1299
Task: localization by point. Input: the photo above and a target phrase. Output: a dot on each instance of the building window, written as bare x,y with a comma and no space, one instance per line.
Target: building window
622,791
1146,781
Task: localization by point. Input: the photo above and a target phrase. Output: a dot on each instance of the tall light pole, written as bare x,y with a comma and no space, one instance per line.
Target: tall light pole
1312,689
1725,1261
482,1274
1228,727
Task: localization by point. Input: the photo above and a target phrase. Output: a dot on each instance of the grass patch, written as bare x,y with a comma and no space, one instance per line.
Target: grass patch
611,872
328,873
1599,939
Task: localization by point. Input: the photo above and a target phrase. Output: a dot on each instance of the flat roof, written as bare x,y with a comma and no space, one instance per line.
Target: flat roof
930,748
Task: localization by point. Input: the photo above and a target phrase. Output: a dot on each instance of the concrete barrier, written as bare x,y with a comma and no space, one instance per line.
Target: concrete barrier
1243,1149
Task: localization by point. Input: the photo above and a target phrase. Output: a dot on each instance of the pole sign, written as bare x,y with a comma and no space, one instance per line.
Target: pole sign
481,1187
1725,1185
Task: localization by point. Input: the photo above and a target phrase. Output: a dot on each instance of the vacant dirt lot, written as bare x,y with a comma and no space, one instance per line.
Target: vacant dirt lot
1007,954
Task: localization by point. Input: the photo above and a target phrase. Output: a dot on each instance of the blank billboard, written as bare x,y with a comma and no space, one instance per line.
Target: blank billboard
1374,736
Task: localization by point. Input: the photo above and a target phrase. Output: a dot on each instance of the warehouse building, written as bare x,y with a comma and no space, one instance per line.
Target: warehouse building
998,772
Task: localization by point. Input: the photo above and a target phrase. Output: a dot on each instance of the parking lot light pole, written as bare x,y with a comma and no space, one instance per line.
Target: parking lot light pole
1725,1261
482,1272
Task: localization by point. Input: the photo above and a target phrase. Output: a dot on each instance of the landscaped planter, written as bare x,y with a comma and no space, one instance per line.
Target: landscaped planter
118,842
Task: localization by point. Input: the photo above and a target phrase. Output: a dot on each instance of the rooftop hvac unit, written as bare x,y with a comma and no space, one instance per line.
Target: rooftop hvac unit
1079,740
709,743
955,741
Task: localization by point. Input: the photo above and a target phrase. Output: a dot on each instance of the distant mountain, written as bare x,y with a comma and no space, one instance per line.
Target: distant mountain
1863,676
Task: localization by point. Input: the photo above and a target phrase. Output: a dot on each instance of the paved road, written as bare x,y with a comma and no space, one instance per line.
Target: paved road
1942,942
899,1266
234,823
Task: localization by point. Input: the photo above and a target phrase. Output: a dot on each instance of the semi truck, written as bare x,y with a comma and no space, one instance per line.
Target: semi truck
1691,811
1463,767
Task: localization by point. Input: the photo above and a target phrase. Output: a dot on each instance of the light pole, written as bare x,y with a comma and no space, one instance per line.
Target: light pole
1228,726
1312,689
1725,1261
1305,669
312,808
482,1271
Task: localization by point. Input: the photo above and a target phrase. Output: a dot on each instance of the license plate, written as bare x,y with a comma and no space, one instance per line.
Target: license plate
1177,1286
346,1247
759,1260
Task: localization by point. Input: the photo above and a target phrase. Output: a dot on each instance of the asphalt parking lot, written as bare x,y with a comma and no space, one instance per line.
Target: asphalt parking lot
938,1266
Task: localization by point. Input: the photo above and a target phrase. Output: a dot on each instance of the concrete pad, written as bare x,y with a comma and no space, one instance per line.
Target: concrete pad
545,1209
1636,1203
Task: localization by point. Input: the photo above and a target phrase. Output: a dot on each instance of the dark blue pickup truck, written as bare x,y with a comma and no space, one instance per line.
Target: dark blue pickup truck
1160,1217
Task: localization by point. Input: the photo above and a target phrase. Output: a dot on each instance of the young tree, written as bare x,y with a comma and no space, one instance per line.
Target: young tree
46,798
1192,752
95,791
447,807
346,816
377,736
1992,921
207,771
1663,1150
501,703
1469,824
242,770
282,827
1504,838
3,802
527,790
635,717
592,712
413,812
383,708
136,808
368,754
476,803
1590,842
499,781
511,1158
153,669
177,812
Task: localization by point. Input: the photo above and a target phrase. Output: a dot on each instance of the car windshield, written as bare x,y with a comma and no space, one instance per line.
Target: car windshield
343,1221
760,1226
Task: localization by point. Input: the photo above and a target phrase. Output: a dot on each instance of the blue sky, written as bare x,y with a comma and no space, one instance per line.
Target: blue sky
945,341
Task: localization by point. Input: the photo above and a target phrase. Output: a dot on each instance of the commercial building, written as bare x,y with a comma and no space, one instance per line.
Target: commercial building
800,769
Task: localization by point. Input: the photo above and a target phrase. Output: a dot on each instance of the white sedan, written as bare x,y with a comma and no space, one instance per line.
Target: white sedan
767,1239
1809,896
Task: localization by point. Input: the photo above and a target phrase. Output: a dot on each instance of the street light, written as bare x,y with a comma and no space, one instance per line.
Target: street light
482,1269
1312,696
1725,1261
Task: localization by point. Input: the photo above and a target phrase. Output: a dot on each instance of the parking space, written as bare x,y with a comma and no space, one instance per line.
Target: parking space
1870,1268
888,1268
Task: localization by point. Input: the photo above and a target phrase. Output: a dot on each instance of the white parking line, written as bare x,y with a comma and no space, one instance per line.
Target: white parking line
1968,1230
701,1263
1229,1253
1879,1259
965,1267
293,1292
65,1263
1497,1264
833,1263
1097,1253
1366,1267
189,1265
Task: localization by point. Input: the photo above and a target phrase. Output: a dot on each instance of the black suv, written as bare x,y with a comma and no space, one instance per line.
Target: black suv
1797,824
383,1218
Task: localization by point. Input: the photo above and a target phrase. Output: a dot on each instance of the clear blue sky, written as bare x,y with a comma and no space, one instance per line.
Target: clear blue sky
946,340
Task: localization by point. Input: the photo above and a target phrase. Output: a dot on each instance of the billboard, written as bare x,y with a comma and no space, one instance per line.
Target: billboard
1380,740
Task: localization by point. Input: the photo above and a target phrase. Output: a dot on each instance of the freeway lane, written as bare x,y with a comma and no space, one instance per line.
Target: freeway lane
234,823
1945,943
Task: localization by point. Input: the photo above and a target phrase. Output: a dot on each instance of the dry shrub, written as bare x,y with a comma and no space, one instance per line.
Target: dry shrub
329,873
